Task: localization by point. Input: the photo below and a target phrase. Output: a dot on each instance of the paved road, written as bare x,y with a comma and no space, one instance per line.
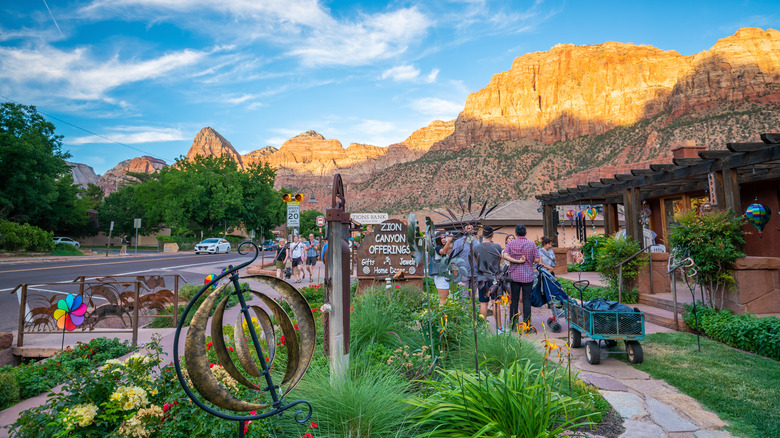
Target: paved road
190,266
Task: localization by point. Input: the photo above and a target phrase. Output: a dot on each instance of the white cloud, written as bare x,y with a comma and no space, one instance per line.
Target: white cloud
131,135
437,108
409,73
371,38
76,74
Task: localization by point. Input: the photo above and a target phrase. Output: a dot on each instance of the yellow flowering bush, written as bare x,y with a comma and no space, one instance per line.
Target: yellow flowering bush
129,397
80,415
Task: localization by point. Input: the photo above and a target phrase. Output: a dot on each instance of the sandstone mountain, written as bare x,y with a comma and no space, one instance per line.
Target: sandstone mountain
83,175
573,108
118,176
209,142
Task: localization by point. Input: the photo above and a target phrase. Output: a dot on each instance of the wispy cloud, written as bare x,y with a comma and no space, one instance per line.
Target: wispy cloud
76,74
437,108
375,127
131,135
401,73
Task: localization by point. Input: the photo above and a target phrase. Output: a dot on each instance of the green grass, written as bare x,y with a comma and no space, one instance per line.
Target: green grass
742,388
64,249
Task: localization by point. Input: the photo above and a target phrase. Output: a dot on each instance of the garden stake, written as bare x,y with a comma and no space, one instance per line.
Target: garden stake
300,352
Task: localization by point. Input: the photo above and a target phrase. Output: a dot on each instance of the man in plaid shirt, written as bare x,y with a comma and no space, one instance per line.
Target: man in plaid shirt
521,254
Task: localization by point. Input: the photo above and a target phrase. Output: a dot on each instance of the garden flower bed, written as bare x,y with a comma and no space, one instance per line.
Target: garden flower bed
407,360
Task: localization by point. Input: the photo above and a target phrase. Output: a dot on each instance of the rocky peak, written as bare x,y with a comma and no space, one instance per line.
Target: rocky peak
571,91
117,176
209,143
423,138
83,175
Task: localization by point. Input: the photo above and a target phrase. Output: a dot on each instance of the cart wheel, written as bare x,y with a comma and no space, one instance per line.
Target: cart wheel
609,343
593,352
555,327
575,338
634,350
550,321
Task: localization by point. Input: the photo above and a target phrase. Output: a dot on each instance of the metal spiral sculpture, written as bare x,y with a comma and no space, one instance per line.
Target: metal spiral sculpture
300,352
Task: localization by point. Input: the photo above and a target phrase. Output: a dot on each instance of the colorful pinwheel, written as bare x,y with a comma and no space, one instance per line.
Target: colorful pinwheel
70,312
208,279
758,215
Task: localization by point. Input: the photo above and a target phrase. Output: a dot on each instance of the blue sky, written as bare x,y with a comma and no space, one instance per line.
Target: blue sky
151,73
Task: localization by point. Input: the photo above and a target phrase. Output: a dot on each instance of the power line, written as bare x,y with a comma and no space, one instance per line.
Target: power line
94,133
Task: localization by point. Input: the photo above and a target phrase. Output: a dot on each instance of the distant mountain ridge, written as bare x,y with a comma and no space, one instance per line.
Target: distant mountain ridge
551,120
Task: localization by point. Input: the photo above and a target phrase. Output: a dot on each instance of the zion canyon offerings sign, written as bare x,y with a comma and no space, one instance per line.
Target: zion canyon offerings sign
384,252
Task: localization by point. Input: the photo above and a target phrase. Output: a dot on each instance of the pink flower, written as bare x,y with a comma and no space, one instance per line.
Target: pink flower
397,286
313,425
307,435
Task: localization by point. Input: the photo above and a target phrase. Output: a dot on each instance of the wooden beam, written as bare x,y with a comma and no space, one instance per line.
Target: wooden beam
731,190
642,172
625,177
771,138
633,207
713,155
608,181
687,161
745,147
662,167
719,195
596,184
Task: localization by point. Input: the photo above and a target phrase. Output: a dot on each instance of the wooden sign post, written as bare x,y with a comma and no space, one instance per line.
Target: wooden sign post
337,284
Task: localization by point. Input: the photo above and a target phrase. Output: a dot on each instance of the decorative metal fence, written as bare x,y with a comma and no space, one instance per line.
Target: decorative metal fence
111,303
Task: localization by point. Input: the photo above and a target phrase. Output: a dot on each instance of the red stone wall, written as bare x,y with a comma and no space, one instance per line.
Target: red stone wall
757,286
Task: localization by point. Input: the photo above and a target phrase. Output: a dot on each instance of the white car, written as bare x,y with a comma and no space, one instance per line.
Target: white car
213,246
67,240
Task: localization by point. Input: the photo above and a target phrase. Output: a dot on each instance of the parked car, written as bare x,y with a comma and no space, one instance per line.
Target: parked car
212,246
270,245
67,240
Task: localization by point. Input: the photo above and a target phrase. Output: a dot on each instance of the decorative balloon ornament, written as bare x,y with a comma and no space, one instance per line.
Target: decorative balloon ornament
758,215
69,314
300,350
591,213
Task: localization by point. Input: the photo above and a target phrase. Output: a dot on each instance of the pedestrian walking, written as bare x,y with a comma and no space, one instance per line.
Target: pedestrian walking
125,242
521,254
311,247
489,256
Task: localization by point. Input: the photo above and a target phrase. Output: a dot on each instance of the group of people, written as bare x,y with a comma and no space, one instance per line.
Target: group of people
517,261
301,254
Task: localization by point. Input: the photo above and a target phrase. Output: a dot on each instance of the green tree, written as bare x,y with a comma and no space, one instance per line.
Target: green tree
713,242
32,160
309,223
614,250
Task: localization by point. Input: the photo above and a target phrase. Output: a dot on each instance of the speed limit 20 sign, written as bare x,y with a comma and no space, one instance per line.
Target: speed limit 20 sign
293,215
320,221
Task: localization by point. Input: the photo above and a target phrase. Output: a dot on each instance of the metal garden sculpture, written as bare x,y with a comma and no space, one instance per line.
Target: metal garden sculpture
299,352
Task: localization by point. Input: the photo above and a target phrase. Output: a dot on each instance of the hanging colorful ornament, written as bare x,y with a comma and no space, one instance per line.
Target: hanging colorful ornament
758,215
70,312
581,215
591,213
570,216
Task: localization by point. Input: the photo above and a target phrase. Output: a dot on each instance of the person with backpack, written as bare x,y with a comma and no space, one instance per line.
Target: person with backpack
125,242
282,257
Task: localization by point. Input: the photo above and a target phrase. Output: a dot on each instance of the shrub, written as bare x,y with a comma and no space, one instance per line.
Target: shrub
614,250
745,331
712,241
66,249
9,389
376,320
517,401
33,379
24,237
591,250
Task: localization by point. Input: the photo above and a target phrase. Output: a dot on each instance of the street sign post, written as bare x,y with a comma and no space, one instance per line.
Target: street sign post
320,221
136,225
293,215
108,244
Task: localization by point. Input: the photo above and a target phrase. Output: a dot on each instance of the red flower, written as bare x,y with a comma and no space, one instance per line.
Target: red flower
397,286
296,326
313,425
314,310
307,435
282,340
175,402
211,365
166,407
246,426
208,346
252,412
229,348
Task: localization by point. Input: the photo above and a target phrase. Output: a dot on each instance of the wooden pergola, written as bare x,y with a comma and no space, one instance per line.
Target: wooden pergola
720,172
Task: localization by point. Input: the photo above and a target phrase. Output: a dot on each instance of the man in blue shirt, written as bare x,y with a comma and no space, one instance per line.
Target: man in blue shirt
311,247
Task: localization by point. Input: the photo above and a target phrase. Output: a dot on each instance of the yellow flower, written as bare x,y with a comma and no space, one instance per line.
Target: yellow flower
130,397
81,415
